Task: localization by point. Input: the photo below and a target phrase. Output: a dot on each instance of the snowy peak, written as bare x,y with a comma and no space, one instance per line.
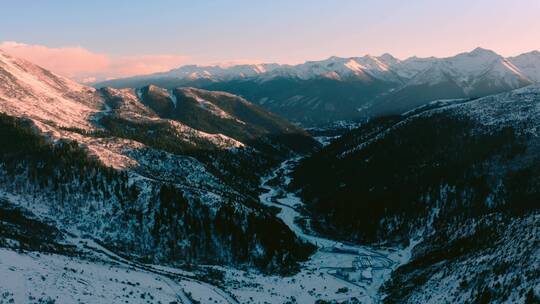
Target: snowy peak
472,62
217,72
29,73
342,67
411,67
473,74
481,52
365,68
388,59
471,70
528,64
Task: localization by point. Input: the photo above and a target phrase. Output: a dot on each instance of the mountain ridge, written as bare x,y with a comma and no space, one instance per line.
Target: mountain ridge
367,64
322,92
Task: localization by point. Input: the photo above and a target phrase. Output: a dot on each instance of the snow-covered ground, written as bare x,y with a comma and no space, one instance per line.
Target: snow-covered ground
100,276
35,277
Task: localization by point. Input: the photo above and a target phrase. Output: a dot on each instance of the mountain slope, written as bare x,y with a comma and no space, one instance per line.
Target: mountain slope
467,75
419,152
494,262
457,177
231,115
28,90
529,64
104,164
309,102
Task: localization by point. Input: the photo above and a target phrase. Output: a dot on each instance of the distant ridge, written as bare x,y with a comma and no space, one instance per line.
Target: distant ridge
355,88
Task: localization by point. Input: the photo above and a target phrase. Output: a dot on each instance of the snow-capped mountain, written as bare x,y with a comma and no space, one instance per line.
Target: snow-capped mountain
528,64
356,68
464,68
334,89
218,73
467,75
150,195
470,70
409,67
185,195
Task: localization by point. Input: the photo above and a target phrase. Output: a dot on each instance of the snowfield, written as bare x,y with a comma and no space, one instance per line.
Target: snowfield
35,277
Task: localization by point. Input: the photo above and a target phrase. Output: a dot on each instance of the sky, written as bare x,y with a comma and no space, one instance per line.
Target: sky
98,39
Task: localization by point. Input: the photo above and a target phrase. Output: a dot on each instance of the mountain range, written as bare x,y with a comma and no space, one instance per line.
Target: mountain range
321,92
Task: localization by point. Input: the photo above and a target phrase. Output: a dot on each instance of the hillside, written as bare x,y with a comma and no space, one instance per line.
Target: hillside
458,177
230,115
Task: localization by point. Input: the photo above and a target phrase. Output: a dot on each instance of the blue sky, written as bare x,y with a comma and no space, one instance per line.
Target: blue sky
278,30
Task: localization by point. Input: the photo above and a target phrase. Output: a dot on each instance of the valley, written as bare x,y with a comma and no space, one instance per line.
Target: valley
340,181
363,268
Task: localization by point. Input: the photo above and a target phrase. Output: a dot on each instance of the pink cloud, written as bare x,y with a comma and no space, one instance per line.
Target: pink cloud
85,66
145,64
